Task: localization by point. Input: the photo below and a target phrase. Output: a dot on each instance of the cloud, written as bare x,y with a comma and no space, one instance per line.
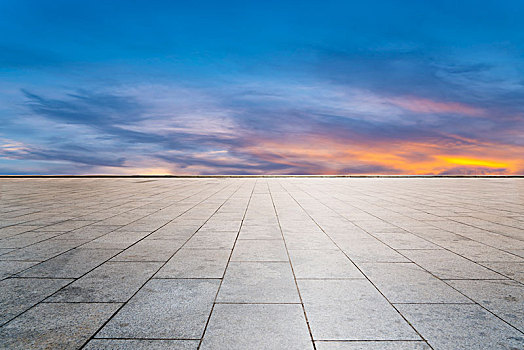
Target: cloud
280,127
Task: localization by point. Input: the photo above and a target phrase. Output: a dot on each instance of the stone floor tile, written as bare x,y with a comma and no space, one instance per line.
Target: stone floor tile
369,250
26,239
308,241
8,268
404,240
117,240
257,326
371,345
479,252
258,282
196,263
260,250
150,250
511,270
504,298
71,264
109,283
165,308
55,326
351,310
136,344
43,250
19,294
408,283
212,240
260,232
317,263
461,327
447,265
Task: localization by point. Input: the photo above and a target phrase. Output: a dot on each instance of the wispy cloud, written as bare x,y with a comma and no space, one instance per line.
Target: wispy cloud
283,128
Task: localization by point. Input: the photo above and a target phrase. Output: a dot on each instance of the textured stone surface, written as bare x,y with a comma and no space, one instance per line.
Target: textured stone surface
55,326
351,310
461,327
111,282
165,309
262,263
258,282
257,326
133,344
19,294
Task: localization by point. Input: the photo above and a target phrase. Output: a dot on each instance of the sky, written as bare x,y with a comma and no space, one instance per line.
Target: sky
261,87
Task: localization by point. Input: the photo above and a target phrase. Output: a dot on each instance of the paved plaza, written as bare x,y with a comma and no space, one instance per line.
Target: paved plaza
262,263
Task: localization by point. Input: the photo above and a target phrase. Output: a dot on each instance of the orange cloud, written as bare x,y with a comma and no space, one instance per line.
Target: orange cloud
330,156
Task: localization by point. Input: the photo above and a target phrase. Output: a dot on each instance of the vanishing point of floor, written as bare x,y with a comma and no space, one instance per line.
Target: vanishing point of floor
262,263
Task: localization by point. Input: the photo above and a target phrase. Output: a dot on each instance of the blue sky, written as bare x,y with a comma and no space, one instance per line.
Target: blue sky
236,87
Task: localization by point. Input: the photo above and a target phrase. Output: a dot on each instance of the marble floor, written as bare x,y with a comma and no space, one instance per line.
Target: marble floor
262,263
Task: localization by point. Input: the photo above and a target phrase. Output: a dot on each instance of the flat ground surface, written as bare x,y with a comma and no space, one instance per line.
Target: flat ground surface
268,263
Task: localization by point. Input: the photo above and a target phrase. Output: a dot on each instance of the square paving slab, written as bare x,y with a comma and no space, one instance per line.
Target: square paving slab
262,263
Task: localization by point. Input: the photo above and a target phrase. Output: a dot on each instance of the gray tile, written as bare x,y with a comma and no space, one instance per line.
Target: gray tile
8,268
308,241
116,240
26,239
257,326
174,231
212,240
15,230
512,270
19,294
504,298
480,252
460,327
404,240
4,251
165,309
43,250
134,344
447,265
328,263
150,250
260,232
71,264
351,310
408,283
88,232
260,250
196,263
371,345
111,282
55,326
258,282
369,250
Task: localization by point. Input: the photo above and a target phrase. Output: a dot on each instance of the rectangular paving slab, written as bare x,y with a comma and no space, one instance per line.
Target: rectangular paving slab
351,310
111,282
19,294
165,308
461,327
258,282
408,283
196,263
257,326
71,264
325,263
55,326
